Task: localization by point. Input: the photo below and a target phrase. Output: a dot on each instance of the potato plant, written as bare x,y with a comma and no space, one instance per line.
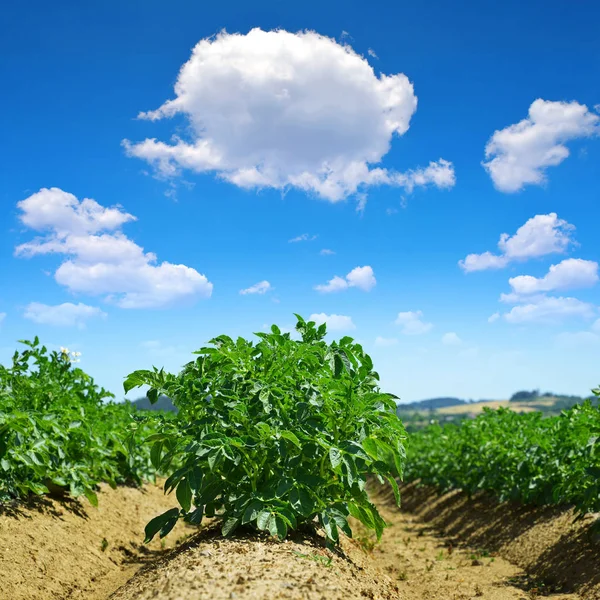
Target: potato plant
58,434
274,434
524,457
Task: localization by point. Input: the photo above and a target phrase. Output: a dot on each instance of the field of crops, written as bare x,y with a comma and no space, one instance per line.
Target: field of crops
524,457
276,440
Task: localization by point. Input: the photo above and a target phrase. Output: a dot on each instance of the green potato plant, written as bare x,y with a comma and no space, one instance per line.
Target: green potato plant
524,457
59,434
274,434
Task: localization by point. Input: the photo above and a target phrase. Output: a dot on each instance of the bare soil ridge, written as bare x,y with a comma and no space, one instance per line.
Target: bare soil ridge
545,542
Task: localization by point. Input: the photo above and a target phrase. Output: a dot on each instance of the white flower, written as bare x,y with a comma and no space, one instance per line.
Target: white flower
64,350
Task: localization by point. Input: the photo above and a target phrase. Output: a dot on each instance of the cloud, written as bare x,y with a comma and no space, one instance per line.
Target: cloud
539,236
412,324
385,342
326,252
493,318
362,278
519,154
451,339
361,203
305,237
334,322
261,287
550,309
571,273
274,109
596,326
577,339
100,259
371,53
62,315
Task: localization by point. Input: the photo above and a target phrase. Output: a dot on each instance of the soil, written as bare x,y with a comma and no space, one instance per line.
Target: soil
438,547
54,549
555,553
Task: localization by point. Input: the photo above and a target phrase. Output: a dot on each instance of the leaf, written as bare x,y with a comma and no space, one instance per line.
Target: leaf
330,526
252,511
92,497
277,526
335,456
262,520
302,502
160,523
184,495
229,526
288,435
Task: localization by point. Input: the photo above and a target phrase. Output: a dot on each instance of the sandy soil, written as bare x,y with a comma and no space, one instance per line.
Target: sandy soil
437,547
255,567
556,554
59,549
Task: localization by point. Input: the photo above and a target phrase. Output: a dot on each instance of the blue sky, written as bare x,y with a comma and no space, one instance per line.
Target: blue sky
405,139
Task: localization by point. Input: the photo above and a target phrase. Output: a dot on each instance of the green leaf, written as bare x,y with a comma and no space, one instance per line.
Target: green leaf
302,502
92,497
161,523
330,526
335,456
288,435
262,520
277,526
184,495
229,526
252,511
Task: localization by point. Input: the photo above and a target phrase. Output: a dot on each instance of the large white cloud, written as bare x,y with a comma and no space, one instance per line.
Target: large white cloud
519,154
362,278
571,273
334,322
279,109
412,322
100,259
62,315
539,236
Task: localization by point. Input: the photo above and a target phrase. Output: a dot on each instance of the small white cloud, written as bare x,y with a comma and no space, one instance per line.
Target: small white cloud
412,324
337,284
539,236
100,259
391,211
550,309
451,339
334,322
493,318
275,109
362,278
371,53
520,154
62,315
305,237
384,342
571,273
361,203
326,252
262,287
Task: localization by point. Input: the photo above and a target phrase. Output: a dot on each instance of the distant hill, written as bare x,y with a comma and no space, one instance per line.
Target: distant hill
431,404
163,403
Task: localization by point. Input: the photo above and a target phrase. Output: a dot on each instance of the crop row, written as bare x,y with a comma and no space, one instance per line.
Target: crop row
523,457
59,434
